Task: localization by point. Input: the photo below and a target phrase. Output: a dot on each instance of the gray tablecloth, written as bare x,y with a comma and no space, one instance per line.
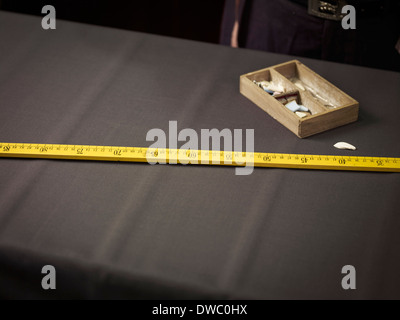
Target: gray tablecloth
138,231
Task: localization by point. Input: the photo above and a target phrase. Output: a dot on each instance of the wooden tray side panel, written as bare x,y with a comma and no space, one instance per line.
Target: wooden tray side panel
260,75
328,120
287,70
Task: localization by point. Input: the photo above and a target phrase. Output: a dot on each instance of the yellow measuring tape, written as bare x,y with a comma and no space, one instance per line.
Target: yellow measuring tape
207,157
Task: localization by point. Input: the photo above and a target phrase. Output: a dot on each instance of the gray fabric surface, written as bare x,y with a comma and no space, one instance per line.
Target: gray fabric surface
141,231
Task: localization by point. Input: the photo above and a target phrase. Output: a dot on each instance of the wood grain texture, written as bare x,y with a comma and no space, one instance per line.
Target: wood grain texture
322,118
328,120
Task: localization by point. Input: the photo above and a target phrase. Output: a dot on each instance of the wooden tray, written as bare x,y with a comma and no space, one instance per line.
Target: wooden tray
330,107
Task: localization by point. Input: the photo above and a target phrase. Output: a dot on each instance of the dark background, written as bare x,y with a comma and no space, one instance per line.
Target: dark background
197,20
194,20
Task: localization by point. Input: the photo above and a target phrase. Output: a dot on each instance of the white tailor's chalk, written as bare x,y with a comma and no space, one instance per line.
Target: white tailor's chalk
344,145
302,114
293,106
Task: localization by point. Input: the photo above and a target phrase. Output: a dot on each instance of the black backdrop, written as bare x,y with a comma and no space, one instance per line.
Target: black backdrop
197,20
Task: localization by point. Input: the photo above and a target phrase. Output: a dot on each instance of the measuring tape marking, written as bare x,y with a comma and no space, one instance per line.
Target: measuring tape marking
207,157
